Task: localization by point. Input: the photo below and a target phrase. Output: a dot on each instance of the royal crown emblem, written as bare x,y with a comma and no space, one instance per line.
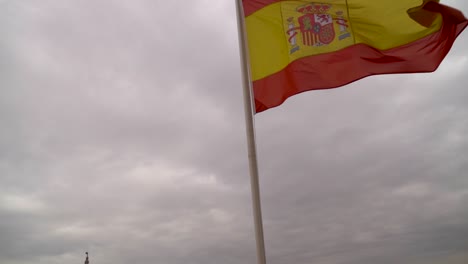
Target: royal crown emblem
316,26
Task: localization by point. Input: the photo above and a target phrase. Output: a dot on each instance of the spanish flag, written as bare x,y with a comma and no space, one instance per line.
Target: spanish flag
297,46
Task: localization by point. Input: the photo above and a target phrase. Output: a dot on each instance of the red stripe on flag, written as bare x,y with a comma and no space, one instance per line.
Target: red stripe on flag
251,6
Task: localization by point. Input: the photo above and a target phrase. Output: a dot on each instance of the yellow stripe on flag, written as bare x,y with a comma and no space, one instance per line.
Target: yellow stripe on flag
283,32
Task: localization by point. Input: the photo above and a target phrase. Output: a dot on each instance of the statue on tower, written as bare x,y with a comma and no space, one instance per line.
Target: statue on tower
87,259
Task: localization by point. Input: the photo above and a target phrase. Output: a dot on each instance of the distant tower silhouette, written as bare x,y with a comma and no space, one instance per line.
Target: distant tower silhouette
87,259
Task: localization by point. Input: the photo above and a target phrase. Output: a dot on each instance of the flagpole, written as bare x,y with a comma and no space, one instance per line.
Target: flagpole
250,129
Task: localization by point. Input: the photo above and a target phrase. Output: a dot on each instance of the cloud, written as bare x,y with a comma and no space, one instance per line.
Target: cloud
123,135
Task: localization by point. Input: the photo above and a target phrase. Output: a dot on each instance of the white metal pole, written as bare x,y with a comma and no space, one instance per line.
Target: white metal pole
250,129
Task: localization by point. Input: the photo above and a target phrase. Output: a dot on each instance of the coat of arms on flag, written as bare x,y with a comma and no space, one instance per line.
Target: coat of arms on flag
314,24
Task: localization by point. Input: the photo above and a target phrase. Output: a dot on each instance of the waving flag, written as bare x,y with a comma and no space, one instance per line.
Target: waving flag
297,46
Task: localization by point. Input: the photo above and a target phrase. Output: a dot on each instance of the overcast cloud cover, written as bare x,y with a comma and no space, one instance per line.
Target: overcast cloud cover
122,134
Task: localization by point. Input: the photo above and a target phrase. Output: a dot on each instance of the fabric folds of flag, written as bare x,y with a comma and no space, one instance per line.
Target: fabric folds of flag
297,46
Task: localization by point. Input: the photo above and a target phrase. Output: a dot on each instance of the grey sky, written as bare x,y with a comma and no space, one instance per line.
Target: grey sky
122,134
